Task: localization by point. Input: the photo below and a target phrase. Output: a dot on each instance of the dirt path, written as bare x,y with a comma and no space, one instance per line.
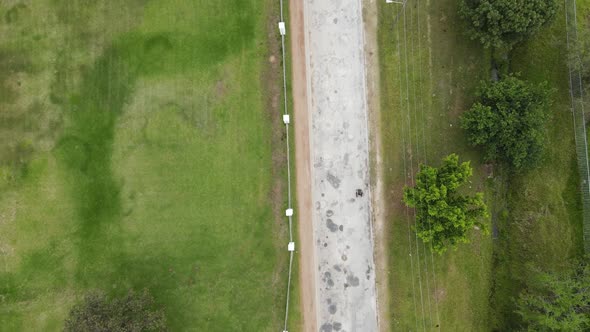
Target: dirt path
303,167
380,227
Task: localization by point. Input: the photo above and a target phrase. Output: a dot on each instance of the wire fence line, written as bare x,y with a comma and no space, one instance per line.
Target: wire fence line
578,115
286,120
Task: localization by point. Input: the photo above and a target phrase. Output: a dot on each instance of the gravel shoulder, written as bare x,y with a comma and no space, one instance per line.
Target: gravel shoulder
380,227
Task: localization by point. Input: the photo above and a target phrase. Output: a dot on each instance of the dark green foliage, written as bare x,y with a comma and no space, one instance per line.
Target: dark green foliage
134,312
558,301
443,214
502,23
509,121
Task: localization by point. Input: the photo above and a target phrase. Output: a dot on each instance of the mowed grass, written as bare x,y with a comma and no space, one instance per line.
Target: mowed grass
423,93
136,154
536,217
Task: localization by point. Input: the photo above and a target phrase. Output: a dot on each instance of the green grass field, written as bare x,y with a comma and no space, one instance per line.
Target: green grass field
136,152
425,86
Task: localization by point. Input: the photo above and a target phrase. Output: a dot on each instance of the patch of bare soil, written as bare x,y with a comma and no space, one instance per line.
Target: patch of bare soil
303,166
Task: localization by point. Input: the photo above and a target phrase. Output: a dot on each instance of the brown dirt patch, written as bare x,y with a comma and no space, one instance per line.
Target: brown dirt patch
440,295
303,166
220,89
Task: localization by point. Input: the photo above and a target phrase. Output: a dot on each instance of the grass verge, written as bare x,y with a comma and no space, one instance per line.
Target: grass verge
429,72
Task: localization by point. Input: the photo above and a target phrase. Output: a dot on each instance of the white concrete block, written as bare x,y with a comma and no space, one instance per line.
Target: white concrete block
291,246
289,212
282,28
286,118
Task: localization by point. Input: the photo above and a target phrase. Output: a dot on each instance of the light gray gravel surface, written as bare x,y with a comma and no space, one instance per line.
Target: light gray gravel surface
346,299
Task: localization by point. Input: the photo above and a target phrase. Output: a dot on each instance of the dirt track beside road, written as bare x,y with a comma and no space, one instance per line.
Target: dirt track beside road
306,247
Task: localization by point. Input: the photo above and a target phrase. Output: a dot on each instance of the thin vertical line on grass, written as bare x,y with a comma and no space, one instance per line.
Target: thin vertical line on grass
417,125
412,159
405,174
289,199
580,133
425,160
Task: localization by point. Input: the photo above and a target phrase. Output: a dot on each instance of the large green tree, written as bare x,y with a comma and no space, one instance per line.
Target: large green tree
509,121
444,214
502,23
558,301
135,312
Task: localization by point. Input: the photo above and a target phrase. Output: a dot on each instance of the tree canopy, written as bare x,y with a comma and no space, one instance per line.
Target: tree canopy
509,121
558,301
135,312
502,23
443,214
